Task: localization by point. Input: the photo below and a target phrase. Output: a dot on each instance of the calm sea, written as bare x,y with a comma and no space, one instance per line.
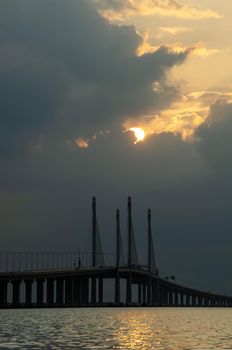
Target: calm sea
135,328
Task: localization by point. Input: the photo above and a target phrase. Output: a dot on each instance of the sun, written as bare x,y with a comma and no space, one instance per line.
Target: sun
139,134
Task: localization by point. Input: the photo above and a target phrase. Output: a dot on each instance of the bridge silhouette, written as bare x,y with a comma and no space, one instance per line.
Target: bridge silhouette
76,279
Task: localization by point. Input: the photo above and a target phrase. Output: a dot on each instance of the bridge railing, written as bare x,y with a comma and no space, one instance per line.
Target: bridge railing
37,261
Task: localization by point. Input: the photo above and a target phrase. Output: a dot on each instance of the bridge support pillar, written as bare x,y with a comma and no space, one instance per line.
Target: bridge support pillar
158,299
68,291
16,292
144,294
60,291
50,291
149,292
193,300
176,298
181,299
117,289
170,297
77,291
187,300
39,291
166,300
100,290
154,293
28,291
128,289
162,296
139,293
3,293
93,291
199,300
85,291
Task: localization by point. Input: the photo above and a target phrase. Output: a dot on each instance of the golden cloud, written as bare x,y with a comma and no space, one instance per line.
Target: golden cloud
171,8
146,47
172,31
81,142
196,50
183,117
85,142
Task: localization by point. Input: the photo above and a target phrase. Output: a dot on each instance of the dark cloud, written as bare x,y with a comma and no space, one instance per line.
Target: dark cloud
65,67
215,137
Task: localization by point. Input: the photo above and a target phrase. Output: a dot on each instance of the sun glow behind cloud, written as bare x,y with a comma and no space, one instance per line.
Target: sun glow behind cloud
138,133
182,118
182,124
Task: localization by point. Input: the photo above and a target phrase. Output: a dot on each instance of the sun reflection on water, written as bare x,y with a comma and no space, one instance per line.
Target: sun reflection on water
135,332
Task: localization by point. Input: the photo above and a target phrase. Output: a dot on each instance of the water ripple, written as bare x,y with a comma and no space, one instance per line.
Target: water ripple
138,328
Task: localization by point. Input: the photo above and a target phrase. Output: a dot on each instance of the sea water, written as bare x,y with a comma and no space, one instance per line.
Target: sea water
117,328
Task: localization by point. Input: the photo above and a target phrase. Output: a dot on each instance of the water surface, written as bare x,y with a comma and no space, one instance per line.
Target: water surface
117,328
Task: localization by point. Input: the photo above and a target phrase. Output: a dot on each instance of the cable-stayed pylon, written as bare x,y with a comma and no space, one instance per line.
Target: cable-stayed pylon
132,251
120,257
97,251
151,252
134,254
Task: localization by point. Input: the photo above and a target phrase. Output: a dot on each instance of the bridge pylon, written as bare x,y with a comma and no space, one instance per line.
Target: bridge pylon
129,256
129,231
120,258
118,253
94,231
153,283
97,256
151,252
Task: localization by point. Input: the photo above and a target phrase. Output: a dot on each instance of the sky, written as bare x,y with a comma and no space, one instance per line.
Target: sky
76,77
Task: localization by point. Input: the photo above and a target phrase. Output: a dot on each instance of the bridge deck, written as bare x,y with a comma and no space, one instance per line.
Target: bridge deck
138,275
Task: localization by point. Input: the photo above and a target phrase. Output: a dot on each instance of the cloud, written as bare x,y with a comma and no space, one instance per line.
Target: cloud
61,81
120,9
215,135
198,49
205,52
207,98
85,142
184,117
172,31
81,142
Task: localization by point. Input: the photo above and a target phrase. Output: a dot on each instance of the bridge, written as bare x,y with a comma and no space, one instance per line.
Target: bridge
77,279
